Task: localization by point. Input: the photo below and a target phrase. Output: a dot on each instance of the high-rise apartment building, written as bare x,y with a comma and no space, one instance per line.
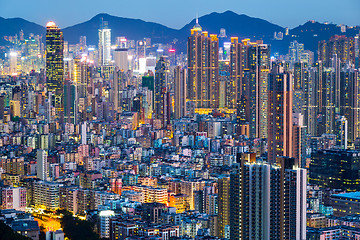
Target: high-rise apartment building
162,93
267,201
55,67
254,86
280,122
13,198
224,207
180,92
203,68
234,88
342,46
42,165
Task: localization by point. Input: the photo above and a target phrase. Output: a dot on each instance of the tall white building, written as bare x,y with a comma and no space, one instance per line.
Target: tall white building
104,45
42,164
83,133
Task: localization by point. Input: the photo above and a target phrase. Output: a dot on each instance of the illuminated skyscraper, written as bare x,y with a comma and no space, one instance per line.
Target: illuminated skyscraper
180,92
234,88
162,94
203,68
42,165
342,46
224,206
267,201
253,87
70,100
280,122
104,44
55,67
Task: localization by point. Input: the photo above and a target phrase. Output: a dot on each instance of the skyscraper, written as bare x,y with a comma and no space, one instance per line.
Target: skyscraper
342,46
254,86
42,165
223,206
162,94
280,122
180,91
234,86
55,67
104,44
70,100
121,59
267,201
203,68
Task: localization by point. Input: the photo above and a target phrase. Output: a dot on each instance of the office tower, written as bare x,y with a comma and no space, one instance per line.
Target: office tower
104,44
55,67
42,165
148,81
280,113
255,84
342,46
224,206
296,51
81,76
121,59
13,63
336,169
82,43
267,201
162,94
203,68
180,92
70,100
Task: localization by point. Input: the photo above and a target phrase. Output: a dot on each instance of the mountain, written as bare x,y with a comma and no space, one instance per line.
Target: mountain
239,25
12,27
130,28
236,25
312,32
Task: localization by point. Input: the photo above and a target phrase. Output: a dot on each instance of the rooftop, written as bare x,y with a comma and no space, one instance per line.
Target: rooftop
353,195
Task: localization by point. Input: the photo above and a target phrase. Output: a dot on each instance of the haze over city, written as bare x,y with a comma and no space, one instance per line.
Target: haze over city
176,14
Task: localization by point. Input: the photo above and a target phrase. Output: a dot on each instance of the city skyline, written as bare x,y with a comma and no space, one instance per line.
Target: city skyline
163,134
292,14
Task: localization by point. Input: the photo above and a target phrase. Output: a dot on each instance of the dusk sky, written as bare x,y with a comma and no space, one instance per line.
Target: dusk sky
175,13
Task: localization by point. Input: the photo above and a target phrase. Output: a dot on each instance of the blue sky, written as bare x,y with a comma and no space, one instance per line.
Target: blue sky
177,13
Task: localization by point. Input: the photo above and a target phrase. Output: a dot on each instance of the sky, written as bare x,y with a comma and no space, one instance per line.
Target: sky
177,13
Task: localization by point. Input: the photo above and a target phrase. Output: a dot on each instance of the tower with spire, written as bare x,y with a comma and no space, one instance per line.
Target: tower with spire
203,68
197,27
